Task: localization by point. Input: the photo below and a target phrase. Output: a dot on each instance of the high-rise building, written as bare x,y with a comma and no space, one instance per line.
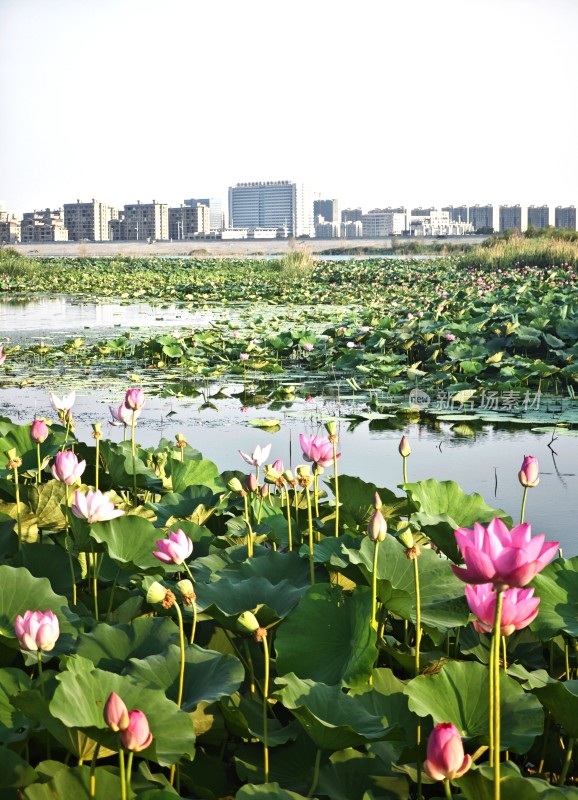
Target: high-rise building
457,213
382,222
143,221
514,218
280,205
565,218
215,206
87,221
43,226
540,216
327,209
351,215
483,218
185,222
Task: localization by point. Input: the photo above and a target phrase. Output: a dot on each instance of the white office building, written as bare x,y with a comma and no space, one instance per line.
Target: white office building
272,204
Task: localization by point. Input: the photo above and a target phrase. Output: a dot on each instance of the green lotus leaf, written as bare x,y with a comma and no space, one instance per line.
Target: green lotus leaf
195,503
110,647
46,502
349,775
332,719
561,699
196,473
75,782
82,692
356,497
557,588
478,784
442,507
267,791
15,772
130,541
14,725
458,693
208,675
47,560
328,637
119,465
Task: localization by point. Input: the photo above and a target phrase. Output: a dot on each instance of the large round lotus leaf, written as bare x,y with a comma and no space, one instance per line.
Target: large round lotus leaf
269,585
442,506
48,560
14,770
328,637
350,774
208,675
110,646
194,502
267,791
557,588
478,784
356,497
130,542
20,592
75,782
46,501
459,693
196,473
14,725
561,699
79,701
443,603
333,719
119,465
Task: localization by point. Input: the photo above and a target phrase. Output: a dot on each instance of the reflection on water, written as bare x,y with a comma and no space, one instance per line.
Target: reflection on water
486,460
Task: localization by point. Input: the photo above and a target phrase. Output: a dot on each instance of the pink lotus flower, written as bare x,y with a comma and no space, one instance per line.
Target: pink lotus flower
377,528
450,337
445,753
404,447
2,355
37,630
502,557
67,468
251,483
243,356
134,399
519,608
116,713
38,431
528,475
136,736
123,415
318,449
174,550
258,456
308,347
62,404
94,507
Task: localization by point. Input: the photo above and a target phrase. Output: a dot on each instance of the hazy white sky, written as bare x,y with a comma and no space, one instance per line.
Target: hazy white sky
374,102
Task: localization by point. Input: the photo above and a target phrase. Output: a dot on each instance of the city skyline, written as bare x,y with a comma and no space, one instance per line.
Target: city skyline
453,103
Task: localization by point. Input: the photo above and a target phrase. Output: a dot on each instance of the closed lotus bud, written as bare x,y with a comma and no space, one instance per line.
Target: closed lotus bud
235,485
528,475
156,593
248,622
264,490
377,504
116,713
404,448
38,431
377,528
251,483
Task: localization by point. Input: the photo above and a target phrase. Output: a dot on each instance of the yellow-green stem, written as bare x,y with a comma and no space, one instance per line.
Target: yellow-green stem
417,615
133,451
491,698
523,504
316,492
182,648
122,774
336,485
567,761
404,469
265,704
68,540
18,521
39,461
374,586
92,789
289,531
97,465
447,788
315,780
496,636
310,525
128,772
250,530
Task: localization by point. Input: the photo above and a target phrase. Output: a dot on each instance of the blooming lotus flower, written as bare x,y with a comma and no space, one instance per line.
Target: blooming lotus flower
67,468
94,507
62,404
123,415
38,431
450,337
445,753
134,399
2,355
308,347
243,356
116,713
502,557
318,449
528,474
37,630
519,608
174,550
136,736
258,456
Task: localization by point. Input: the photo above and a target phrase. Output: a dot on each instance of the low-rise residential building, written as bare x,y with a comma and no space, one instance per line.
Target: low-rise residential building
87,221
9,227
43,226
141,222
382,222
186,222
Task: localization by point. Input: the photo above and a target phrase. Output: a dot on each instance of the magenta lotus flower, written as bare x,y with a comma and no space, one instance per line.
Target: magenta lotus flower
38,431
123,415
445,753
136,736
174,550
62,404
258,456
502,557
37,630
519,608
116,713
528,475
243,356
67,468
94,507
318,449
450,337
134,399
2,355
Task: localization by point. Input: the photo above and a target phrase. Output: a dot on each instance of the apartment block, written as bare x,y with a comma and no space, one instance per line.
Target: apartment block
483,218
87,221
513,218
327,230
9,227
43,226
540,216
327,209
381,222
186,222
215,206
142,222
351,215
281,205
457,213
565,218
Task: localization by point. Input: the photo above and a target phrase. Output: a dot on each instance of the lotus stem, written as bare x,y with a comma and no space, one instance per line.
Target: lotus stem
265,704
39,461
496,667
310,527
336,484
68,543
92,788
182,649
447,788
311,791
97,465
18,520
250,531
93,560
567,761
405,474
491,699
122,774
193,604
504,654
417,615
374,586
289,531
42,689
316,492
133,451
523,509
128,772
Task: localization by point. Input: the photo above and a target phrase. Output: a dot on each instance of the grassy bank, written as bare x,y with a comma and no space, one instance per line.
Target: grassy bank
537,249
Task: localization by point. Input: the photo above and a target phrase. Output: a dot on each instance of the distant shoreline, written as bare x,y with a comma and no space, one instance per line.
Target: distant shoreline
216,248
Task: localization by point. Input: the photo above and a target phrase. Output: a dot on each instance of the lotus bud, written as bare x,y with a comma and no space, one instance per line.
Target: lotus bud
115,713
251,483
136,736
264,490
528,474
404,448
38,431
235,485
377,504
377,528
156,593
247,622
